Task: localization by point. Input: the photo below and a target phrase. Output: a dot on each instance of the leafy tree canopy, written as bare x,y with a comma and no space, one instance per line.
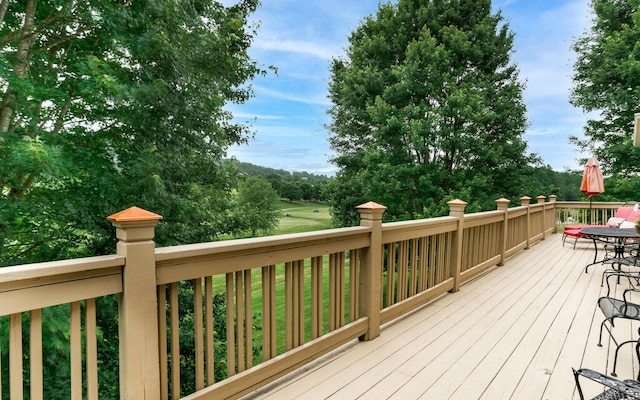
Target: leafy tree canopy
280,174
109,104
607,84
257,207
427,107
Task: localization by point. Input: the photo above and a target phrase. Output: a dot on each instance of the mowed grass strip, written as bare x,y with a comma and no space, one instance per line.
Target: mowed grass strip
303,217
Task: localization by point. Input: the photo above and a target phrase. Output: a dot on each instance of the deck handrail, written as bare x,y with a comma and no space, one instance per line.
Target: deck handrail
336,285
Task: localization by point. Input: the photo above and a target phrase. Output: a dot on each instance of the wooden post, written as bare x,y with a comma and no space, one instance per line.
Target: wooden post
503,205
636,129
138,329
541,200
525,202
456,209
371,269
556,216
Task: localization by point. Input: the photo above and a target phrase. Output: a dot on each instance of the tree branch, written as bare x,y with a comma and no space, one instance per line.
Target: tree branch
17,192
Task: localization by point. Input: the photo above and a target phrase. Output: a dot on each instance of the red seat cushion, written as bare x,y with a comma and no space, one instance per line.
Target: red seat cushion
574,230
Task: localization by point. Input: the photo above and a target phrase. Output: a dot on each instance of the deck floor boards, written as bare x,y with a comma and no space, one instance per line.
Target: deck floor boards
514,332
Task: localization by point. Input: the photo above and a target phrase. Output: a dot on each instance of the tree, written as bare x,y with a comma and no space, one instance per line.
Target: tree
307,191
607,84
291,191
256,207
108,104
427,107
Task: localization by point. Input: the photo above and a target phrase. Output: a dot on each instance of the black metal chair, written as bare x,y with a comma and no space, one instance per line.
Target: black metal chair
614,308
615,388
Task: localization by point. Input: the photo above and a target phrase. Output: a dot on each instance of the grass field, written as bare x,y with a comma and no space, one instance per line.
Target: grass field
303,217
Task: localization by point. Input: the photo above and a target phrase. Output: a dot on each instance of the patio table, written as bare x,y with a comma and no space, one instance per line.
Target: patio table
621,239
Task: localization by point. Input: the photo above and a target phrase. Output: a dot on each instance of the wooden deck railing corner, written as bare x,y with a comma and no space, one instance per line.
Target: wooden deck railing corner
456,210
503,206
138,315
371,269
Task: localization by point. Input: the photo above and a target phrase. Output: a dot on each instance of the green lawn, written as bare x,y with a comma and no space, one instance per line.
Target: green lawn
300,216
296,217
256,295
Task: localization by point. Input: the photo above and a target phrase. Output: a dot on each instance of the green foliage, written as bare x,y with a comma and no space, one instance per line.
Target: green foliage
620,188
607,84
545,181
291,191
427,107
280,174
106,105
256,210
300,185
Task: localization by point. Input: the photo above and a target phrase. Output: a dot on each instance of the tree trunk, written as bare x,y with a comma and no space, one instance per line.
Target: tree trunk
21,65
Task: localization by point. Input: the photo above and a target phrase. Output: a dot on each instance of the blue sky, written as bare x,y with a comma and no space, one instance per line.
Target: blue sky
289,110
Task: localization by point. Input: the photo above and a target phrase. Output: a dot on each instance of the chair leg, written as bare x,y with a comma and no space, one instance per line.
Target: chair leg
576,376
615,360
602,327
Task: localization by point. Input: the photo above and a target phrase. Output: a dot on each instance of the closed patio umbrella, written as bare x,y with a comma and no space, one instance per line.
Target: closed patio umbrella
592,181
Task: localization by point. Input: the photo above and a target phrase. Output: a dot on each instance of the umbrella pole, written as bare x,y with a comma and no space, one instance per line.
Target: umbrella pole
590,210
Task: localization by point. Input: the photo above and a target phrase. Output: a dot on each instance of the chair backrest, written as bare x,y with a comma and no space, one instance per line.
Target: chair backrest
628,214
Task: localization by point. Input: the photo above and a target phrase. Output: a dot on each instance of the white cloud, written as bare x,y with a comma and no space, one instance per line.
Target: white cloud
297,97
315,49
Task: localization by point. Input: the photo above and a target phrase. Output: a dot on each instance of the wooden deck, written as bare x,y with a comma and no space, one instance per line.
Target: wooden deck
513,333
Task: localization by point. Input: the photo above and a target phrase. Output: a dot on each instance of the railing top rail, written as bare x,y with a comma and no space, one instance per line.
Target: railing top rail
52,268
438,221
516,212
586,204
261,243
483,215
403,230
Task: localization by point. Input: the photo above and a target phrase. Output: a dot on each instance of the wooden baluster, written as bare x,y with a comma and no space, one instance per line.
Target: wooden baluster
35,355
175,340
208,310
15,357
231,337
353,284
198,332
316,297
248,322
162,341
76,351
91,349
269,345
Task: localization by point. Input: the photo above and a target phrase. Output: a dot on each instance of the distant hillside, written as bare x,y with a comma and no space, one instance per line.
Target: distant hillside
543,180
256,170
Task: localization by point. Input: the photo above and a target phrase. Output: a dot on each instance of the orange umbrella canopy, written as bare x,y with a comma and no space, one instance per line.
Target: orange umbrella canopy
592,181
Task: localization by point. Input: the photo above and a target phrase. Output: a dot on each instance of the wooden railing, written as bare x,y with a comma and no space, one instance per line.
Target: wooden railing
283,301
576,212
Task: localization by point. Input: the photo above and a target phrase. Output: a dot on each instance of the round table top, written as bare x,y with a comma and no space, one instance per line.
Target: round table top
611,232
